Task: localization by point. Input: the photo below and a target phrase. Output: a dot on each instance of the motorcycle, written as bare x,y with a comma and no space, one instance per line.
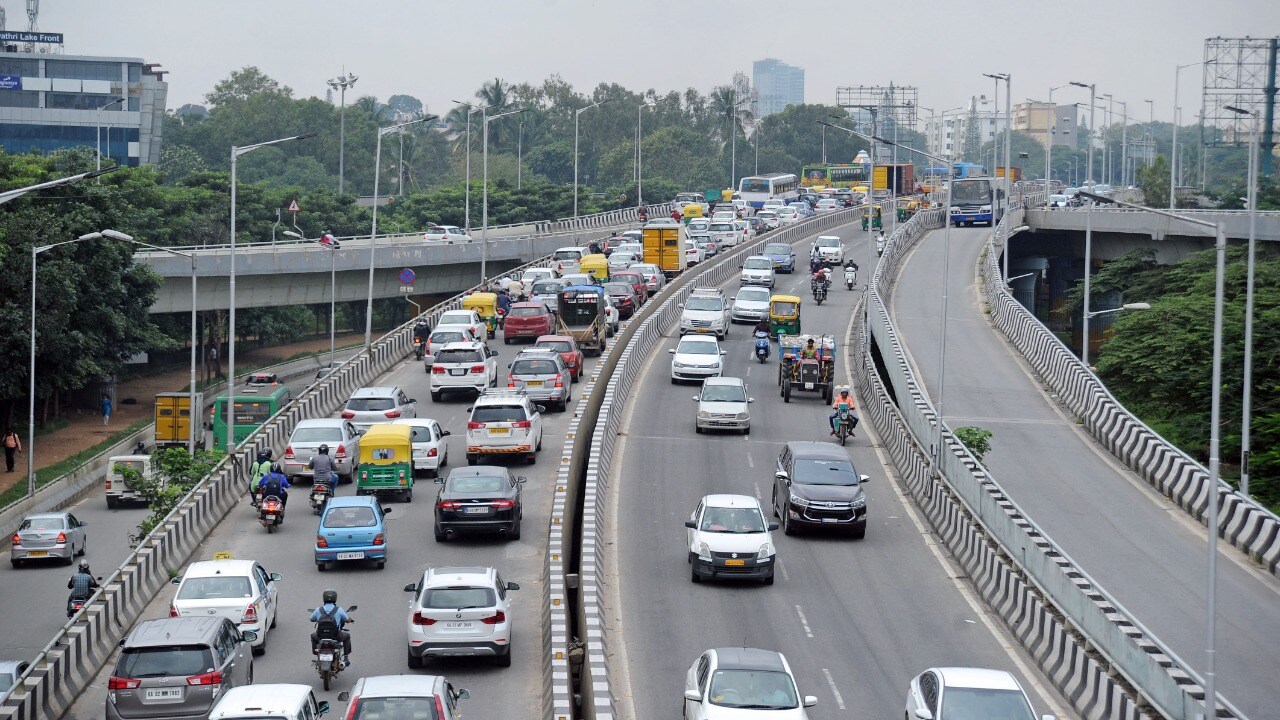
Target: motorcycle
762,345
271,513
819,291
320,494
845,422
850,277
419,347
328,649
76,603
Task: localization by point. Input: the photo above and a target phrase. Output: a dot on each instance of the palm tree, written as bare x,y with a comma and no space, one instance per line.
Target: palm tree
731,110
496,96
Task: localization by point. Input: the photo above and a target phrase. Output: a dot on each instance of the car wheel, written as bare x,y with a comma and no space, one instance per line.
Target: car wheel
503,660
111,503
515,530
380,564
859,534
697,428
444,460
441,535
693,575
768,580
505,341
675,381
435,396
408,495
471,459
533,458
787,529
414,663
16,563
322,566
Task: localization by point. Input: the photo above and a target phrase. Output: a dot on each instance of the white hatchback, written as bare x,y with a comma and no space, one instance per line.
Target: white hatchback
948,693
460,611
696,357
729,537
446,233
430,452
464,317
239,590
788,216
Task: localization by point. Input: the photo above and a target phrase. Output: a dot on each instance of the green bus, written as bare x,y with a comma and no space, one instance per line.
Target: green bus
844,175
254,405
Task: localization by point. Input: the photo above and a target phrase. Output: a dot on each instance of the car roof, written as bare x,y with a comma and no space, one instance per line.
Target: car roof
453,311
723,381
445,575
557,338
320,422
479,471
978,678
502,396
530,304
268,699
414,422
375,391
212,568
398,685
172,631
726,500
811,449
756,257
749,659
451,327
353,501
829,237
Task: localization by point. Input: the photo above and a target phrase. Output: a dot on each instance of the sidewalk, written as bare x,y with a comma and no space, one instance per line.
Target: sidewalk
84,428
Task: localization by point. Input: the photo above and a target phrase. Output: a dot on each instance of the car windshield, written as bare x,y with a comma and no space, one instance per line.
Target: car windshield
731,520
497,413
698,225
751,295
223,587
45,523
527,311
704,303
777,249
455,356
534,367
758,264
716,392
163,661
697,347
985,703
478,484
824,472
371,404
388,708
455,318
441,337
557,345
828,242
350,517
316,434
754,689
567,255
6,681
458,597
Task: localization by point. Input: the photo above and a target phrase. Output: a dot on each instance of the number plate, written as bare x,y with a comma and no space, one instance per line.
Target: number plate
326,656
457,371
351,556
533,383
37,553
808,386
164,693
459,625
830,520
499,431
477,510
735,563
271,517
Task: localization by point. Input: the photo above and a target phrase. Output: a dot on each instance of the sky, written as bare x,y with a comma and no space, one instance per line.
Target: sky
442,51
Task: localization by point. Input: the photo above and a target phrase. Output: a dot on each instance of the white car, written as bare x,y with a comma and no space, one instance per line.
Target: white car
445,334
465,317
744,228
654,280
773,204
378,404
533,275
446,233
830,249
743,683
757,270
578,279
611,316
697,226
239,590
1059,201
696,358
430,451
788,216
724,233
723,216
504,422
956,693
722,405
704,241
729,537
467,366
750,305
769,218
621,260
460,611
693,254
568,259
342,438
546,292
826,205
705,311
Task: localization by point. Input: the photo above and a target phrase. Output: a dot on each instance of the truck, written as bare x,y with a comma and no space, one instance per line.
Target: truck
173,419
1015,172
664,245
581,316
895,178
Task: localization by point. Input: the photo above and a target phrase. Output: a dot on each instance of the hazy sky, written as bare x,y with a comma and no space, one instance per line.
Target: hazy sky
439,51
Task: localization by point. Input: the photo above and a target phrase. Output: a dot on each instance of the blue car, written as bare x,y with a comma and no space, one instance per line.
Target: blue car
784,259
352,528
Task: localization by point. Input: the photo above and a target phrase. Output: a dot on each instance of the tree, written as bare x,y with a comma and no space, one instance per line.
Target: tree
1019,142
243,84
178,162
405,105
976,439
175,473
1154,182
972,147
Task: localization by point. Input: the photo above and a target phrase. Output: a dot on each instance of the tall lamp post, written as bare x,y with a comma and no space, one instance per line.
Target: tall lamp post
341,83
117,101
1247,400
1173,151
1093,128
577,114
333,287
484,223
373,231
467,210
1050,125
1008,126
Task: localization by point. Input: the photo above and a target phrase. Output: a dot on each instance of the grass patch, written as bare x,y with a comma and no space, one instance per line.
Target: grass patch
46,475
53,425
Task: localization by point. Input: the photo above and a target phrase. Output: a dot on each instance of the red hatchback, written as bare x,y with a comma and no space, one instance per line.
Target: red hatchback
527,320
637,282
569,351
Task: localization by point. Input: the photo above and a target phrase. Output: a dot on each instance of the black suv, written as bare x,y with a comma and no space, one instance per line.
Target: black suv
816,485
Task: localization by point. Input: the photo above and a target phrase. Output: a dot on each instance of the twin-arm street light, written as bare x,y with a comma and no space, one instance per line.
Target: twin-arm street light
333,286
1127,307
484,223
117,101
1093,128
467,193
577,114
1007,78
1252,201
341,83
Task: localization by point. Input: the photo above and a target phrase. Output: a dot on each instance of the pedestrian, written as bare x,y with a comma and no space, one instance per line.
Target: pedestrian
12,446
106,409
215,367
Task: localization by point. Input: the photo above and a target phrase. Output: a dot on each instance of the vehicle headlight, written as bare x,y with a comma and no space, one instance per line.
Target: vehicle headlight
677,363
856,504
797,500
766,552
703,414
986,208
704,552
742,416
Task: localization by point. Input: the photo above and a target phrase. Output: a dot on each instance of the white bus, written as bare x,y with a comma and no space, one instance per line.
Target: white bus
756,189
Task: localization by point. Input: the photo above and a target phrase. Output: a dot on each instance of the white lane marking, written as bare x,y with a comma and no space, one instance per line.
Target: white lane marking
759,496
834,691
752,463
804,621
786,576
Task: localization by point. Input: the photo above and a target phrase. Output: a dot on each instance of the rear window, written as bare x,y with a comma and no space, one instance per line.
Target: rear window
567,254
557,345
350,517
534,367
458,597
618,289
498,413
722,227
46,523
526,311
455,318
138,465
546,288
454,356
446,336
370,404
317,434
215,588
482,484
386,708
163,661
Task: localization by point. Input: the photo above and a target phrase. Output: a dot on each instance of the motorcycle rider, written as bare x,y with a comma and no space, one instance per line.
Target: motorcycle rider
260,467
846,398
761,327
323,466
820,279
275,483
331,610
82,585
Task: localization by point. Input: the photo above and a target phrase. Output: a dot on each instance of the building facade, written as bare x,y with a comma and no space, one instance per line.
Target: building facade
1043,120
51,102
946,132
776,85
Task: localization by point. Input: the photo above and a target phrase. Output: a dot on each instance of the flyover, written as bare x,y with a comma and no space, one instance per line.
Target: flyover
1126,221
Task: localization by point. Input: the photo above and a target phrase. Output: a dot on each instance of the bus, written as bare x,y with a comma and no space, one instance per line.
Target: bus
965,170
758,188
254,405
845,175
977,200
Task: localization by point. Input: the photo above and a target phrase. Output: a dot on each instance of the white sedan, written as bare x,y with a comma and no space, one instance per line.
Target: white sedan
621,260
468,318
430,452
696,357
788,216
693,254
240,590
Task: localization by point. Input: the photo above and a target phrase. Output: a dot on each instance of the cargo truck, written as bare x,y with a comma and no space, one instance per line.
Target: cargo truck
895,178
1016,173
173,420
664,245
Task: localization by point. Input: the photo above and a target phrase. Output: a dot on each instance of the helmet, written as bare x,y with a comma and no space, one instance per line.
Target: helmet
330,597
264,454
844,389
324,450
275,467
84,566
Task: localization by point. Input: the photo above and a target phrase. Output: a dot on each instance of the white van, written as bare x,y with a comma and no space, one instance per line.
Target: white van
568,259
254,702
118,489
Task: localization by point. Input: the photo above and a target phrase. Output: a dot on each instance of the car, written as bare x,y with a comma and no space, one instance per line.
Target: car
724,233
263,378
611,243
638,285
744,228
827,205
578,279
635,246
696,358
635,236
693,254
323,372
750,305
527,320
464,366
465,317
369,405
479,499
445,334
10,671
707,245
697,225
570,353
178,667
612,319
342,437
430,450
413,696
621,259
504,422
803,209
844,197
769,218
541,374
568,259
460,611
352,528
241,591
831,249
1059,201
533,275
757,270
956,693
654,280
757,225
275,700
722,405
41,536
705,311
623,295
788,216
546,292
816,485
118,486
743,682
723,216
728,537
773,204
446,233
1071,192
782,255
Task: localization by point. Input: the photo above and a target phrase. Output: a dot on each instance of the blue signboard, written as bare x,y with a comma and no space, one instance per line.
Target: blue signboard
30,36
10,82
406,276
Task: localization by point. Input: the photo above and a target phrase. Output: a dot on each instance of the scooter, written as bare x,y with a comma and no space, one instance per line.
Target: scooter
819,292
271,513
320,494
328,651
762,345
845,422
850,277
880,246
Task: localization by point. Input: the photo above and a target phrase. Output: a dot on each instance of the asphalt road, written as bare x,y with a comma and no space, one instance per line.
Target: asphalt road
379,635
857,619
1140,547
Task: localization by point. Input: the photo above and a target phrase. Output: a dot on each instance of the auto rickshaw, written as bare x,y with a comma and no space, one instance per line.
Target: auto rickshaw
906,209
691,211
386,461
784,315
876,217
597,266
486,306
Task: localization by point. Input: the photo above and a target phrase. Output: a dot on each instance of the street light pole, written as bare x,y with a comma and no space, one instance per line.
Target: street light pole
484,223
1173,152
1008,174
1247,399
519,153
577,114
341,83
756,133
1093,128
99,146
1088,267
333,287
467,192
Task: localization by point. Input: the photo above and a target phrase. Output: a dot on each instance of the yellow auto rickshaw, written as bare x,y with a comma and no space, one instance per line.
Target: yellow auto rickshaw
876,217
597,266
386,461
784,315
691,211
486,306
906,209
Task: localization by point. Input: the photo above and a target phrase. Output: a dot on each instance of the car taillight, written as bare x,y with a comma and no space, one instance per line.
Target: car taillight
347,415
288,453
342,452
173,611
475,426
209,678
522,424
17,540
392,413
119,683
500,617
437,370
477,368
418,619
250,614
511,384
379,539
354,708
449,505
503,504
320,542
439,707
108,482
559,382
433,452
62,538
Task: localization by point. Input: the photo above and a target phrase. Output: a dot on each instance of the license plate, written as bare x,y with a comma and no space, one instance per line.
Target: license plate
499,431
326,656
464,625
453,371
735,563
477,510
271,517
533,383
37,553
351,556
830,520
164,693
808,386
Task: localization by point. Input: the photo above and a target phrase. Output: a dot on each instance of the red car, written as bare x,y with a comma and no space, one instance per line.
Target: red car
637,282
624,297
569,352
527,320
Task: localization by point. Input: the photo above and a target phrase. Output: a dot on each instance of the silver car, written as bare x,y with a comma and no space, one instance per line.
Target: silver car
48,535
341,436
543,376
370,405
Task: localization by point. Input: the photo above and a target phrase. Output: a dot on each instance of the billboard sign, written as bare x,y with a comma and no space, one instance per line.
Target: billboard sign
30,37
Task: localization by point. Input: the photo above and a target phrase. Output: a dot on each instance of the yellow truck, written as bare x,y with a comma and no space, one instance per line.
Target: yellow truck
173,419
664,245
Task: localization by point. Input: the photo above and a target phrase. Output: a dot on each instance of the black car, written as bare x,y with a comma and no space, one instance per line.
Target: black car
816,485
480,499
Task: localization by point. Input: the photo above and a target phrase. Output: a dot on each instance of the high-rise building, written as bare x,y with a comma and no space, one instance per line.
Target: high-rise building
51,102
777,85
945,132
1039,120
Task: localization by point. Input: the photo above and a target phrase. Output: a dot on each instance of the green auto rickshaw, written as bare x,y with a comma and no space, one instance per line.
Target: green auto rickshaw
386,461
876,218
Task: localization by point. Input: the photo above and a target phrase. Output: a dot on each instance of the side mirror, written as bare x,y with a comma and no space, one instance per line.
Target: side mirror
810,701
438,480
781,475
344,696
248,636
508,366
386,511
672,351
445,433
277,577
521,480
773,526
694,398
540,408
751,400
724,352
513,586
924,714
692,695
176,581
322,707
463,694
352,608
864,478
681,306
691,524
411,587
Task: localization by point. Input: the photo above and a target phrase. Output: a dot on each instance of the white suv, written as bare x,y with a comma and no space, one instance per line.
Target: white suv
724,233
370,405
460,611
830,249
469,366
504,422
239,590
728,536
705,311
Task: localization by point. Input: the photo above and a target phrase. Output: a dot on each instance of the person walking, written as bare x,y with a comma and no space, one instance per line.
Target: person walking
106,409
12,446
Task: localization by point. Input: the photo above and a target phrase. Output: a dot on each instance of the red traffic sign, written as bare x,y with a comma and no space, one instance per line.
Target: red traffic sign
406,276
293,206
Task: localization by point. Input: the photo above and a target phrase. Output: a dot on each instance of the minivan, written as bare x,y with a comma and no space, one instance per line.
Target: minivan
284,701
